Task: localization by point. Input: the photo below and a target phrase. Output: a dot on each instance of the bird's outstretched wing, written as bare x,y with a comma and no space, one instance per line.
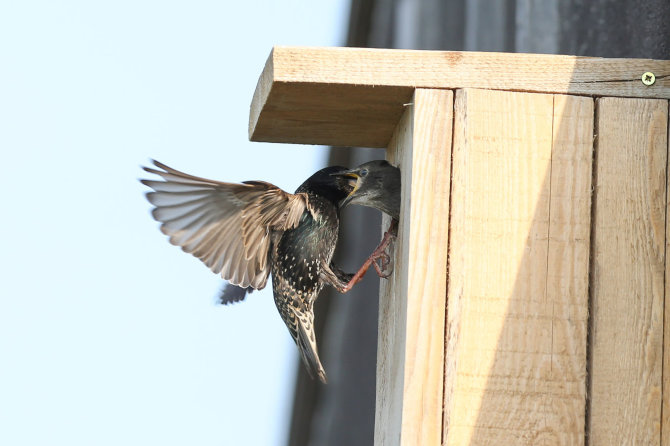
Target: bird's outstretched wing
232,293
226,225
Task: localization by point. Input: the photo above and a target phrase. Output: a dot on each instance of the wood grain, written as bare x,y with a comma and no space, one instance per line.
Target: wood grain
393,302
665,421
518,269
355,96
412,301
568,263
627,277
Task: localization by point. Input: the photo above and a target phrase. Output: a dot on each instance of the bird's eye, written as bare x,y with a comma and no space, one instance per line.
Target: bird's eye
363,172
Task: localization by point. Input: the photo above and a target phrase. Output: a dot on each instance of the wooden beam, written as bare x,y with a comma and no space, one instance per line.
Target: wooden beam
354,96
518,269
627,277
412,302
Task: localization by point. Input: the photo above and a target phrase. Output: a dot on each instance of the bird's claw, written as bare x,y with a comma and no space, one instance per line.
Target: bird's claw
378,254
384,262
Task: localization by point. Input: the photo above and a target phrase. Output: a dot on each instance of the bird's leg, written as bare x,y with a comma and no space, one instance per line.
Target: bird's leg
379,253
334,276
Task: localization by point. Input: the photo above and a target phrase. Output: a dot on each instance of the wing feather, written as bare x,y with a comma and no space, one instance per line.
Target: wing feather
226,225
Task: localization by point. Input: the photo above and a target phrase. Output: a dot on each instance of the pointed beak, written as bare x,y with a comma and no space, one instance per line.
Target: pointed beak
354,182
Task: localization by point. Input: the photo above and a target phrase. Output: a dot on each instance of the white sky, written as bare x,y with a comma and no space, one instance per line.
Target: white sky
108,334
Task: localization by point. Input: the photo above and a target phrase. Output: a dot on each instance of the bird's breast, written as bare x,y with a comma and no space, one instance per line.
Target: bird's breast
300,253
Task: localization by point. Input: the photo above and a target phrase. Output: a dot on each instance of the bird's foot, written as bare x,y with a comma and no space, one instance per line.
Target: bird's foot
381,267
378,254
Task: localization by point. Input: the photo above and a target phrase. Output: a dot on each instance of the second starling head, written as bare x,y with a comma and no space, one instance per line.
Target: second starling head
374,184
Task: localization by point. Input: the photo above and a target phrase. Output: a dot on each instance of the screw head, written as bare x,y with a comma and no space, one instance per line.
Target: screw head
648,78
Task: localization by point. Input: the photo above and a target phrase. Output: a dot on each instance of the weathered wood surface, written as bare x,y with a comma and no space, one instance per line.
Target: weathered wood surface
627,277
355,96
568,260
518,269
412,301
665,386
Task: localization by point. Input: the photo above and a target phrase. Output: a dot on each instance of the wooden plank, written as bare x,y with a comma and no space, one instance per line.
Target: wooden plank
568,263
518,269
412,301
391,337
665,421
355,96
627,276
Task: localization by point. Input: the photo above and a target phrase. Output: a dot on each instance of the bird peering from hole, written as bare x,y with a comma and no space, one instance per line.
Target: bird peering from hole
247,231
375,184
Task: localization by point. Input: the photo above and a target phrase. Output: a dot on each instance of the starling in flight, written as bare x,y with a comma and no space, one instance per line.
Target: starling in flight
244,232
376,184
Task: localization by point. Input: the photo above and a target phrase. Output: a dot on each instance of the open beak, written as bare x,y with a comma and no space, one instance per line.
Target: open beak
354,182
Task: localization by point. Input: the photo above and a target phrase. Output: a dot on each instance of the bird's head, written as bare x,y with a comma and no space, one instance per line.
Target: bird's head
326,183
374,184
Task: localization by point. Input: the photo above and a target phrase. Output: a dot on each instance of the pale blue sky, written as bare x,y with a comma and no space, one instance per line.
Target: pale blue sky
108,334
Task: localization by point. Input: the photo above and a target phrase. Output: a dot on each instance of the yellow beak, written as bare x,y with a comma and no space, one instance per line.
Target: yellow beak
355,181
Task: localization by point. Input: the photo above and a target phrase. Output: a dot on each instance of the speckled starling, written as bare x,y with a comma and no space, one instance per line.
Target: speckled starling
250,230
376,184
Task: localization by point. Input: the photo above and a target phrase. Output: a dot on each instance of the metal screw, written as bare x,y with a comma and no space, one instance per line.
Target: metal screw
648,78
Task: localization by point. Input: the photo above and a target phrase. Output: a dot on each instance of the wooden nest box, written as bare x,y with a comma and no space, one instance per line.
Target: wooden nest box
528,304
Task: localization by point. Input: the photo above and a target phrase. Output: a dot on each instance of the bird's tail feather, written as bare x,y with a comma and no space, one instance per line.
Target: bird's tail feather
308,351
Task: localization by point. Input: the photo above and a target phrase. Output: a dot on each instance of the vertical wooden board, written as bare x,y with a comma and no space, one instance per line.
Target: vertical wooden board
627,277
427,267
568,264
665,411
412,301
393,303
515,356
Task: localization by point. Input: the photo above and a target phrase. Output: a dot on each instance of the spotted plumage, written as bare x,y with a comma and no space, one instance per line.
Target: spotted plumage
247,231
